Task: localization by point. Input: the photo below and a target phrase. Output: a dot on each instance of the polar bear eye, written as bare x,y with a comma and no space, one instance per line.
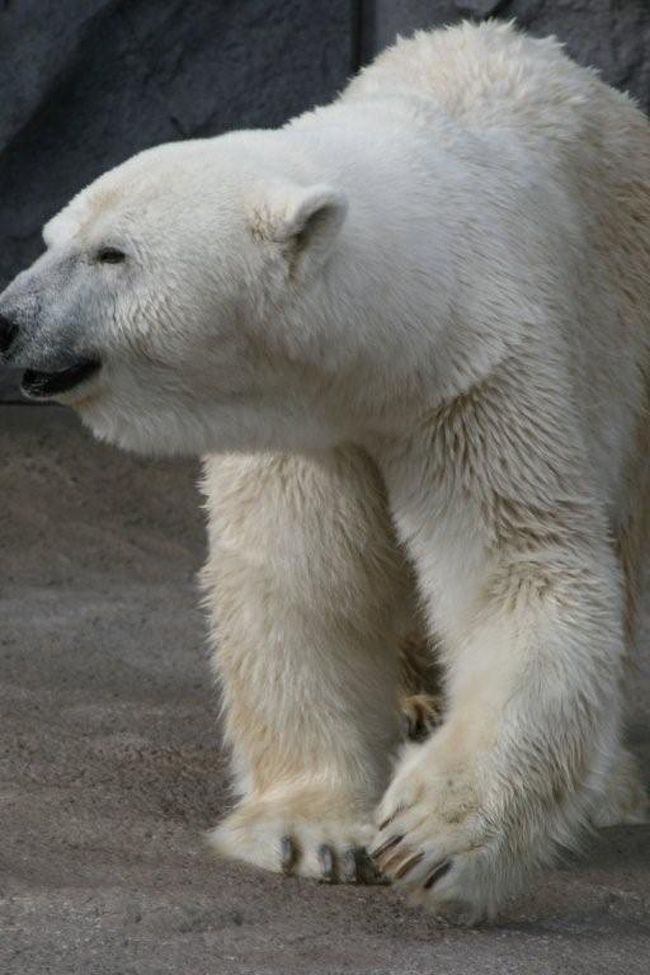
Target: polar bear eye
110,255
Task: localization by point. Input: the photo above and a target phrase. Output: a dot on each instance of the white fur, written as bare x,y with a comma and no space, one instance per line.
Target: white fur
412,331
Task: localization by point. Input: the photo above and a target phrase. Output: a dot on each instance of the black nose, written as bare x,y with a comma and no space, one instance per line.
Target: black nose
8,332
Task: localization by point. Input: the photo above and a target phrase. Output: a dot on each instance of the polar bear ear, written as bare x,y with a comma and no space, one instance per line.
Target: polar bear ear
304,220
62,227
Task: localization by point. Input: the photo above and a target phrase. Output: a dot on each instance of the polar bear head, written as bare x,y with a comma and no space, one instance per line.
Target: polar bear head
184,301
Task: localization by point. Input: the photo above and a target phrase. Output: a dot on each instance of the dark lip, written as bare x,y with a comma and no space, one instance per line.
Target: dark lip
41,385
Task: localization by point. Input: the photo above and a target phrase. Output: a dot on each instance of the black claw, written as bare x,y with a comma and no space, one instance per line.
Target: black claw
385,847
390,818
408,864
350,865
438,871
326,861
368,872
288,854
395,813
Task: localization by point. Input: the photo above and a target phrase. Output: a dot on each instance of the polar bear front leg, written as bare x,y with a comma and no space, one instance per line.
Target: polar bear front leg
531,621
305,589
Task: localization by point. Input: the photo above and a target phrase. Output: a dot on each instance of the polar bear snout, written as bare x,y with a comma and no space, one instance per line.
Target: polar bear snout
8,334
50,364
38,334
17,317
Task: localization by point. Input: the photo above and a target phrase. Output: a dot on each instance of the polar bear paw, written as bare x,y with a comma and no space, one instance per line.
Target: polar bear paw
436,844
421,714
311,834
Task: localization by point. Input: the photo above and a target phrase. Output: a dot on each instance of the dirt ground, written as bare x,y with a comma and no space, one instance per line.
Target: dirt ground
111,766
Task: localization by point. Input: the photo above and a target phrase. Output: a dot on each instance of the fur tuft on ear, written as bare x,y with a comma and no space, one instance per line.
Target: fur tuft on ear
306,219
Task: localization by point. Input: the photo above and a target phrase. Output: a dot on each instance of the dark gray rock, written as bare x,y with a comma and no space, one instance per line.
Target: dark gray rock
479,8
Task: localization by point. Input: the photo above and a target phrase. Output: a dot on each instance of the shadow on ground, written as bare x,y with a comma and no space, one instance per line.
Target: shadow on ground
111,766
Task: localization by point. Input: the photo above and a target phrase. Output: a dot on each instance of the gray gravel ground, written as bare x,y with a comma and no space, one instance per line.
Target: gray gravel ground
111,766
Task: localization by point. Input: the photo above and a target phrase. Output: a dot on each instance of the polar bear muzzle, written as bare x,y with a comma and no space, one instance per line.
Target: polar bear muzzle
41,385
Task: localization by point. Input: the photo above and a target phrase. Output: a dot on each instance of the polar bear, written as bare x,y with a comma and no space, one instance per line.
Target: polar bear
411,333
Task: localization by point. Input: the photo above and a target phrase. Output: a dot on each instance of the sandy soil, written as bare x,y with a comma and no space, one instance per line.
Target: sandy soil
110,765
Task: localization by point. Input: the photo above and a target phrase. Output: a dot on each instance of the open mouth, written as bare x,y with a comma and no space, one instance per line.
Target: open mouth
40,385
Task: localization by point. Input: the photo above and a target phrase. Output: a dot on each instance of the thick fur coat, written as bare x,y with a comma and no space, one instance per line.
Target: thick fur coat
411,332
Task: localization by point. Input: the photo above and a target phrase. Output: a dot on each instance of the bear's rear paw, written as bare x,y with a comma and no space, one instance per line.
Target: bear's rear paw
421,714
309,834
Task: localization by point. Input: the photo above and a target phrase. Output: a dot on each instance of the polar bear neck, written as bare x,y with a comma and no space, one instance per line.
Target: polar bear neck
393,307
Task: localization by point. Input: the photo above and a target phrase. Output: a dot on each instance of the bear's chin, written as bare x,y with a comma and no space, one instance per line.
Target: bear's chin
147,438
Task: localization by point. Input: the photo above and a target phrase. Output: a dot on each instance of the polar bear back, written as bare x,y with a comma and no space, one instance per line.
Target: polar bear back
490,75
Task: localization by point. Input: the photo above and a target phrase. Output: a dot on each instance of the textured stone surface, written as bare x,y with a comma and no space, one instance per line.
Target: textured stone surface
87,83
110,766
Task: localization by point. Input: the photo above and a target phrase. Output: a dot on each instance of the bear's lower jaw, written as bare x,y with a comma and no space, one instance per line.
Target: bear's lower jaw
43,385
